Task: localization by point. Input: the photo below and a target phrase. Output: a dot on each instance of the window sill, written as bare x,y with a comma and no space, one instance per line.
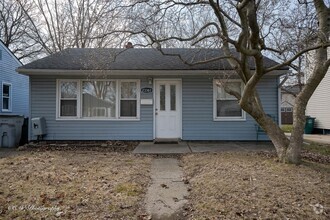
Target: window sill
229,119
97,119
6,110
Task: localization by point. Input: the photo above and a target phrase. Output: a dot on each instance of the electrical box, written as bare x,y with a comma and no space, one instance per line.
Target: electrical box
38,126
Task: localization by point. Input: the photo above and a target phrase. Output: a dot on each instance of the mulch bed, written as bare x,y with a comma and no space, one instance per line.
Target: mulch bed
99,146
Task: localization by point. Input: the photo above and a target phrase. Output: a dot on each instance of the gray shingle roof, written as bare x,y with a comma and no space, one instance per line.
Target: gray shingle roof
133,59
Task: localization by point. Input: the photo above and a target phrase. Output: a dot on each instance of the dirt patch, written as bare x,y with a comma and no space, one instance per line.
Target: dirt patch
306,155
100,146
315,157
76,184
10,152
255,186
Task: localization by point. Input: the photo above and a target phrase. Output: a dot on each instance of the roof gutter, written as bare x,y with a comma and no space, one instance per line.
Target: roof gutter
59,72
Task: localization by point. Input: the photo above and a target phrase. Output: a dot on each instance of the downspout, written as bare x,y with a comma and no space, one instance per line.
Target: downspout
279,102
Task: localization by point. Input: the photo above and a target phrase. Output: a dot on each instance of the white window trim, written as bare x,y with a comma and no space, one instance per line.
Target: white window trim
10,98
79,102
58,99
137,98
215,93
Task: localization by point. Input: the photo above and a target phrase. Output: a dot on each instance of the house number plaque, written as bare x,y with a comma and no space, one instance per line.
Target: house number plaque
146,90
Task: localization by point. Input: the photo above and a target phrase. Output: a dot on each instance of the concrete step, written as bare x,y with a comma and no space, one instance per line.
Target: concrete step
166,141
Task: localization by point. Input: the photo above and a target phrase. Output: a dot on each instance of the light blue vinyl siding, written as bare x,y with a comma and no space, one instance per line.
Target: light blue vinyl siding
43,103
198,123
197,113
19,84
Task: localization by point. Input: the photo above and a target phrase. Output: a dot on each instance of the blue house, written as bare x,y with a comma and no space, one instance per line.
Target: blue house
14,87
143,94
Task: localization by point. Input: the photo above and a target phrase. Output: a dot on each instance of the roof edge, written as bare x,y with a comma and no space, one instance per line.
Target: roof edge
11,53
60,72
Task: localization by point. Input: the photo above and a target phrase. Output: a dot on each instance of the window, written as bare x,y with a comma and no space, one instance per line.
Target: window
6,97
226,106
98,99
68,98
173,97
128,99
162,97
288,109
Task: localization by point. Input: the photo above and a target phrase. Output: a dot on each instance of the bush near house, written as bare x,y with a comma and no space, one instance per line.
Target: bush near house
287,128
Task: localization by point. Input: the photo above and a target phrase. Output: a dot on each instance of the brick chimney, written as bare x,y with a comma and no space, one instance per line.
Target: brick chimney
129,45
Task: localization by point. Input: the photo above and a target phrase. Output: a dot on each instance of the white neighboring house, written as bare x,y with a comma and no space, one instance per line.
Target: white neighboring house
319,104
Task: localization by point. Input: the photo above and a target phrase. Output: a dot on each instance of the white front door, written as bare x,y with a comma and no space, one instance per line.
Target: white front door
168,109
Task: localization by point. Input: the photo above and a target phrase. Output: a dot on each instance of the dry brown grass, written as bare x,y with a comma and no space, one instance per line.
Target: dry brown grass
251,186
73,185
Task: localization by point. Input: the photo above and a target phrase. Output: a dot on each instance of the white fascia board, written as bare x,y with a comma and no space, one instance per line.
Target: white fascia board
58,72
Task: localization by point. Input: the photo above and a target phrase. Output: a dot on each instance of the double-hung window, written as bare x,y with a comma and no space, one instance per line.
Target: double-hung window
98,99
128,99
6,97
226,106
68,92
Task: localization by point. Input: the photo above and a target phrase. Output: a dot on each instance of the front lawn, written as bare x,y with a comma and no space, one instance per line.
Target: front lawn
255,186
93,183
73,184
323,149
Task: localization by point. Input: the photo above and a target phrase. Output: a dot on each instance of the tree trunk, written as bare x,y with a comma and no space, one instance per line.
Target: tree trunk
274,132
278,138
296,139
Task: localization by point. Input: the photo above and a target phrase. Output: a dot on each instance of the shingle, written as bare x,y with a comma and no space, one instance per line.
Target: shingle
134,59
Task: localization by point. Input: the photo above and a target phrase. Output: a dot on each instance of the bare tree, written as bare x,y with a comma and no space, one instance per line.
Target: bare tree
64,24
251,28
15,29
295,32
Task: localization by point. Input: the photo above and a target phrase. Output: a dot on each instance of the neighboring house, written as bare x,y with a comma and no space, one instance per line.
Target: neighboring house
140,94
288,98
319,106
14,89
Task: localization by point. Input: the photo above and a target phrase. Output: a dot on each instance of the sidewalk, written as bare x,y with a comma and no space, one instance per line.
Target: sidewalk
184,147
317,138
322,139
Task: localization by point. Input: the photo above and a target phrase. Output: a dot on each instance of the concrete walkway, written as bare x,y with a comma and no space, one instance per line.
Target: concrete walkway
317,138
200,147
322,139
151,148
167,193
